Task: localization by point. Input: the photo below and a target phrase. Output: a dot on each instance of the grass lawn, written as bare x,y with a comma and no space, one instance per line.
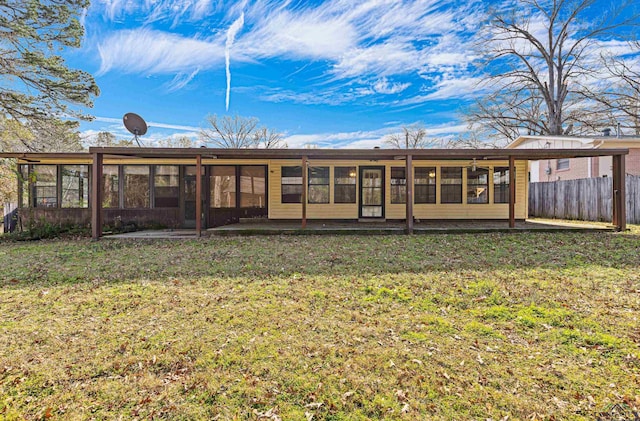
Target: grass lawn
500,326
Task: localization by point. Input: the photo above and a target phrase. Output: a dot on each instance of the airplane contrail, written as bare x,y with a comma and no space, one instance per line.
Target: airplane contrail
231,35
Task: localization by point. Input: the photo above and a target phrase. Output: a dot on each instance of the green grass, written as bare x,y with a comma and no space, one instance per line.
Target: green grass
525,325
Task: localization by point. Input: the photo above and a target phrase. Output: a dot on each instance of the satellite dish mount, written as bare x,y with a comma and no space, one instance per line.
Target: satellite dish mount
136,125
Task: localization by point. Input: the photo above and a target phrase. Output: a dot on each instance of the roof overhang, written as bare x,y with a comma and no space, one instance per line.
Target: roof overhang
324,154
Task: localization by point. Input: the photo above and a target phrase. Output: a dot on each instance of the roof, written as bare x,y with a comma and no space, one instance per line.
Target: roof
598,141
338,154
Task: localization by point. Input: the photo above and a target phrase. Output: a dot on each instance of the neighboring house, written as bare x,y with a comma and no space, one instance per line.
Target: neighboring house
571,169
160,186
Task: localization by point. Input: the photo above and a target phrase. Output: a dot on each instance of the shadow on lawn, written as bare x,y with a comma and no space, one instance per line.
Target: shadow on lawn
63,261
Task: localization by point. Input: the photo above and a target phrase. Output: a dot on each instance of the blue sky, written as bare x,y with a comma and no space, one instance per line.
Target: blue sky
339,73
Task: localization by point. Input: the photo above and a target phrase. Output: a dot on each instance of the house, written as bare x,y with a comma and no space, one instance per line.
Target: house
161,186
571,169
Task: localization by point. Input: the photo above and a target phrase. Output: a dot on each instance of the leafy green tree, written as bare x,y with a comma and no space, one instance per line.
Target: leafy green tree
39,135
35,82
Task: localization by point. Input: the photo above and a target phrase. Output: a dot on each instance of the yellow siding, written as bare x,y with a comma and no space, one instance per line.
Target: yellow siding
463,210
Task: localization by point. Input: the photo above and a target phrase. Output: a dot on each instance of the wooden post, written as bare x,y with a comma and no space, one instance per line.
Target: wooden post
305,172
96,196
512,192
409,181
619,194
199,195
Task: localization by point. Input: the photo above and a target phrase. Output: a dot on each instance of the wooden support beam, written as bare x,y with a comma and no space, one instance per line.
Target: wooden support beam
619,194
199,195
96,196
512,192
305,173
409,180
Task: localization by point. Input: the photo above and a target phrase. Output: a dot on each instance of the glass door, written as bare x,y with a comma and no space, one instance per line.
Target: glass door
371,192
189,196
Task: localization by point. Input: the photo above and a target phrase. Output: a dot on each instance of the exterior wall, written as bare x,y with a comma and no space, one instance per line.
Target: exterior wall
171,217
462,210
579,167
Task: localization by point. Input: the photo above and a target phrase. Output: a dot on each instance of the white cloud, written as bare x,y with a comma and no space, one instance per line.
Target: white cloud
364,139
181,80
450,87
149,51
149,123
345,140
367,38
382,86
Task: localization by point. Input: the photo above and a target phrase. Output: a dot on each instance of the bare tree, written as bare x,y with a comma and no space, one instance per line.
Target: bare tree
542,51
239,132
412,137
618,96
473,139
268,139
177,142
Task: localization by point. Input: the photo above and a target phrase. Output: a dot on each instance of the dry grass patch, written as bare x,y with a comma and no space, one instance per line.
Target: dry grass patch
530,326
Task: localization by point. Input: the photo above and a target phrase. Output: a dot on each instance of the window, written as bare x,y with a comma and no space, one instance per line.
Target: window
45,186
318,184
344,185
110,188
252,187
166,186
291,184
451,185
501,181
136,186
398,185
222,186
477,185
425,185
562,164
75,186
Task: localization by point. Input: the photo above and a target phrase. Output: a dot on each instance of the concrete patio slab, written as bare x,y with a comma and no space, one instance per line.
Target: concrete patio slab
263,227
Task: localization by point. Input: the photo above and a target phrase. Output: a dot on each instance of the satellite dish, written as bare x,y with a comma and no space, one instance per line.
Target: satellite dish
135,124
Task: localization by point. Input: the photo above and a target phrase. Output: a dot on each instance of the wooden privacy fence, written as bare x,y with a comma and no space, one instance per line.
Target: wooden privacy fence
587,199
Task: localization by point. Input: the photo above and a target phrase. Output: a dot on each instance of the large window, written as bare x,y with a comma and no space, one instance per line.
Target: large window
252,186
166,186
291,184
136,186
222,185
451,185
344,185
501,181
398,185
477,185
425,185
110,181
562,164
45,186
75,186
318,184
